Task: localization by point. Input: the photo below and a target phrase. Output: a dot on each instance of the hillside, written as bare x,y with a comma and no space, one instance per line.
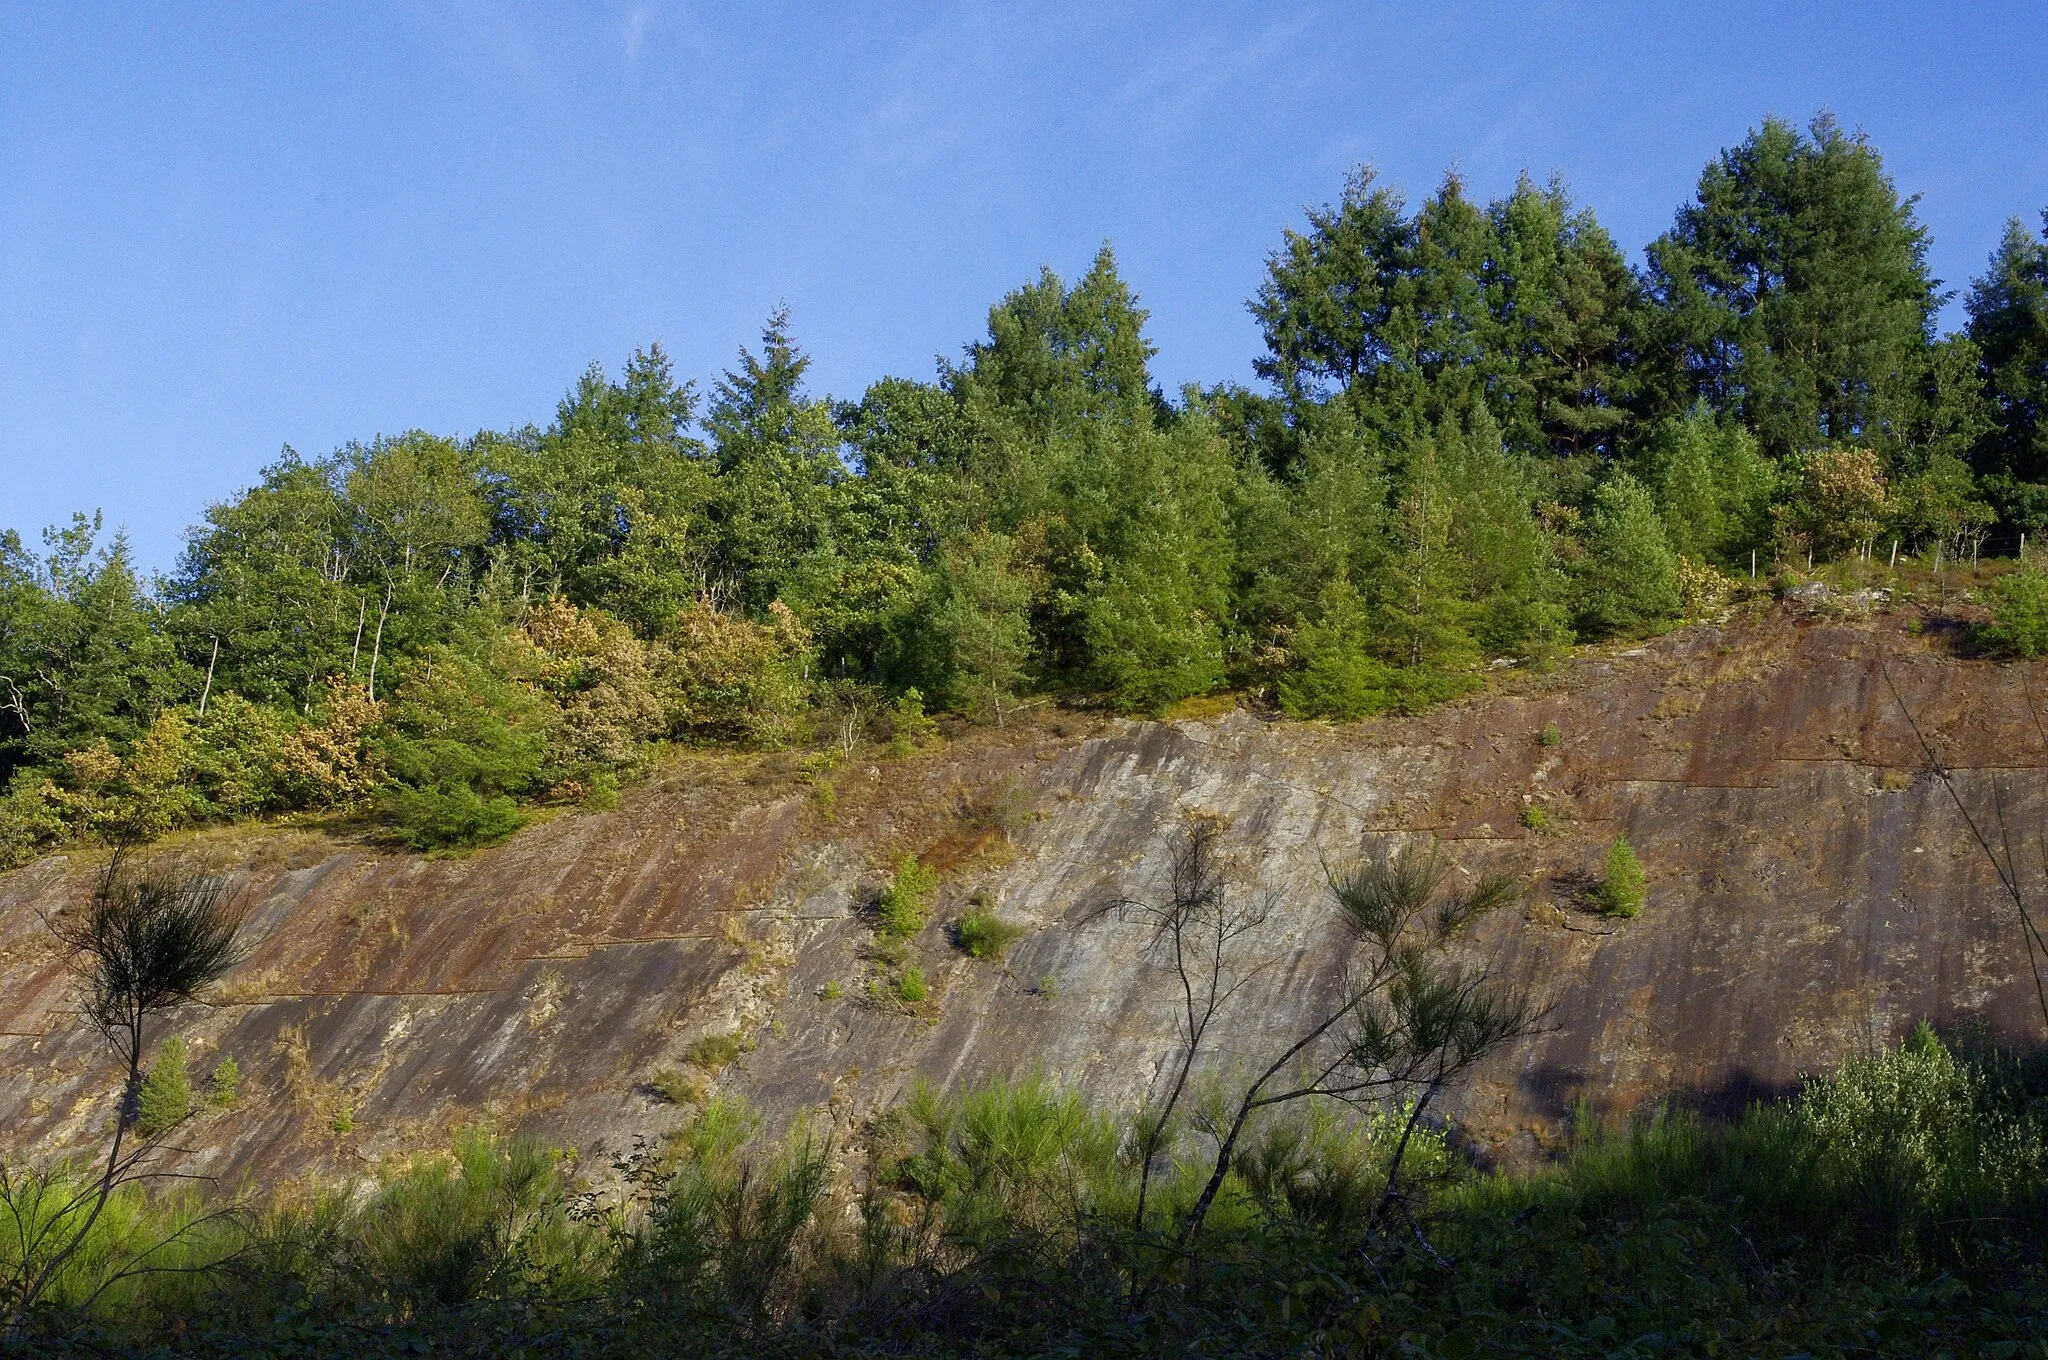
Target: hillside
1812,894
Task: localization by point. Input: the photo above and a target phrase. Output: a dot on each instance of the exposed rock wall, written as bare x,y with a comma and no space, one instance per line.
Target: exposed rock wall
1812,893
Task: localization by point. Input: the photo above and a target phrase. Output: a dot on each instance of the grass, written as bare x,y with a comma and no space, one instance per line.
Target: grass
981,934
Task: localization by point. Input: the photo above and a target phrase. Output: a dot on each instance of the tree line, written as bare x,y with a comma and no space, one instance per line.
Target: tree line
1479,433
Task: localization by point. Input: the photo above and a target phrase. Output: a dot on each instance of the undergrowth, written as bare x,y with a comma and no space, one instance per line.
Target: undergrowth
1891,1208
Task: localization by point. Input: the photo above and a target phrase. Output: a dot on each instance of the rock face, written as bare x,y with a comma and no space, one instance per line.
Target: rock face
1814,891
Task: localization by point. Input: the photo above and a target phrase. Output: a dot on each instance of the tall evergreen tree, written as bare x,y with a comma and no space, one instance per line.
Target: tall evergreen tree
777,453
2008,309
1794,290
1564,303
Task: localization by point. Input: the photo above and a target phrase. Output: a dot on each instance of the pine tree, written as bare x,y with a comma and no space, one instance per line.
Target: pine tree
165,1099
1334,674
1794,290
777,453
1564,302
2008,310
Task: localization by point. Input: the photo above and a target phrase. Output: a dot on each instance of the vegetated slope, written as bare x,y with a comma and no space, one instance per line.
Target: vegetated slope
1812,893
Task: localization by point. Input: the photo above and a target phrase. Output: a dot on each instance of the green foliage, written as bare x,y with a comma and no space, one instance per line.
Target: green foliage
2019,614
224,1086
165,1100
1870,1204
1335,676
911,989
1793,291
1628,579
984,935
1549,736
715,1052
907,900
492,1219
1481,435
1713,488
463,740
2008,310
1919,1132
1622,885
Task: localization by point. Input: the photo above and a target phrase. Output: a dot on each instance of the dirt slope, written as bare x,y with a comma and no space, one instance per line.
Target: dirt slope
1812,894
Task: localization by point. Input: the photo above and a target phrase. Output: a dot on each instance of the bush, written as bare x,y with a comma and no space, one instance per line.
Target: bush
1550,736
911,988
732,679
166,1097
494,1219
908,897
1628,578
2019,614
451,815
984,935
1621,890
1918,1130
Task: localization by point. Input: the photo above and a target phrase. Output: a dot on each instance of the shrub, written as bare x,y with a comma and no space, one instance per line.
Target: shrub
984,935
2019,614
1049,987
1534,818
832,990
224,1087
732,679
451,815
1336,676
908,897
1550,736
1919,1129
494,1219
1621,890
1628,577
165,1100
911,988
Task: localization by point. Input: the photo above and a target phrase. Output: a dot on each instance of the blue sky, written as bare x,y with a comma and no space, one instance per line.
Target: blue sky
228,227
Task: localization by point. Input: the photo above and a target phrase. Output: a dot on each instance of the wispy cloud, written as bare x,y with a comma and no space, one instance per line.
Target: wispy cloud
639,19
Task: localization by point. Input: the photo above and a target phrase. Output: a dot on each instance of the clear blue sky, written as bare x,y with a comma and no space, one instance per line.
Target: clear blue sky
228,227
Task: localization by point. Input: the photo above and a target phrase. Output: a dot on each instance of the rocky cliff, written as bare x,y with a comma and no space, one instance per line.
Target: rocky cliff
1813,892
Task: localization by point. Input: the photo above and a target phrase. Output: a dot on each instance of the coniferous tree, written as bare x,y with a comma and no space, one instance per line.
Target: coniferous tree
2008,310
1794,291
1628,582
1564,304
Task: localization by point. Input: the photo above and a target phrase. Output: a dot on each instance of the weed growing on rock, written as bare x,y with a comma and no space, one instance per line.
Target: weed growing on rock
1621,891
166,1098
1550,736
981,934
911,988
713,1053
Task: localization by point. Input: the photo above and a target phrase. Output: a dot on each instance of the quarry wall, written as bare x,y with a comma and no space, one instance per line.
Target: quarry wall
1813,893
